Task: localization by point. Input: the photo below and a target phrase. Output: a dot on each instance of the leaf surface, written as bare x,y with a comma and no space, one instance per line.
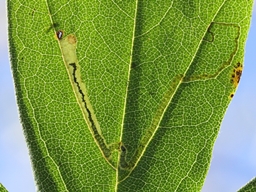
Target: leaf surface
125,95
249,187
2,188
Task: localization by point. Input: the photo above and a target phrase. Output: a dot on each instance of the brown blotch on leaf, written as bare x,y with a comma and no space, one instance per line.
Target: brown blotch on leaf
71,39
236,75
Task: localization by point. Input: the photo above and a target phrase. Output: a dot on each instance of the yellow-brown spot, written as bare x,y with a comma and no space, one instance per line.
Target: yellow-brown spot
71,39
236,74
231,95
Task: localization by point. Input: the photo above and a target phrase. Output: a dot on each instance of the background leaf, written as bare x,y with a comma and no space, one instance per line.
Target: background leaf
2,188
64,141
251,186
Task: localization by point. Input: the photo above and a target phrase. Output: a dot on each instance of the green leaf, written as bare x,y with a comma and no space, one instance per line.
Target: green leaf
2,188
249,187
125,95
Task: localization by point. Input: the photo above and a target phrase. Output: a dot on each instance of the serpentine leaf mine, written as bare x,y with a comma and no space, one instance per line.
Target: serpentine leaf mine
68,48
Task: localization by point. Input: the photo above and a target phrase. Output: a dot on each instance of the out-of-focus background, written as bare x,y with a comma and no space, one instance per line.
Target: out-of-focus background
234,156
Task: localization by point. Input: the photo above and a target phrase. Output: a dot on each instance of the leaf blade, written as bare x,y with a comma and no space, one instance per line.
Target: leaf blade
141,179
152,59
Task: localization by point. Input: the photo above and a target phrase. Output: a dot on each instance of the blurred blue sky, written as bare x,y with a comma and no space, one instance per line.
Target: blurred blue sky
234,156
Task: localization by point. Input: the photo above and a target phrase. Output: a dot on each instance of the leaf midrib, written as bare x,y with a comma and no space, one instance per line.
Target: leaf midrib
158,119
175,90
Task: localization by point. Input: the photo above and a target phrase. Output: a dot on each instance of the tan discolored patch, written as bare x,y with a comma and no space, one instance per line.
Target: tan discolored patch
71,39
236,74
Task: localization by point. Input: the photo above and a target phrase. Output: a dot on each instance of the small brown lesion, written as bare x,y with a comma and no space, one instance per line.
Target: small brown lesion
33,11
231,95
71,39
236,74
